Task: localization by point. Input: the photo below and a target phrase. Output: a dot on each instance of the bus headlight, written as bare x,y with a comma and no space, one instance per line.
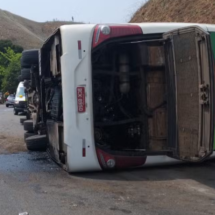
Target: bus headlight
111,163
105,29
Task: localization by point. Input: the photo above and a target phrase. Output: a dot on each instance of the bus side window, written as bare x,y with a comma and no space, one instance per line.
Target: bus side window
57,47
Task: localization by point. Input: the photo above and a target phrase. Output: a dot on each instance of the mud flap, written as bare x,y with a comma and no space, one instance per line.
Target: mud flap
191,93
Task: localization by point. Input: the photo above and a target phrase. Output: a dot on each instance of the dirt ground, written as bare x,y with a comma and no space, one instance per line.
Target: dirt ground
11,133
10,144
31,182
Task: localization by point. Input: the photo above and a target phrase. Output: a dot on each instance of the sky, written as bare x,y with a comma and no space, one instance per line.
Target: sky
89,11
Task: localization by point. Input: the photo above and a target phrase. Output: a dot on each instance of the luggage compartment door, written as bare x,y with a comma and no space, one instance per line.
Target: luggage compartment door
190,83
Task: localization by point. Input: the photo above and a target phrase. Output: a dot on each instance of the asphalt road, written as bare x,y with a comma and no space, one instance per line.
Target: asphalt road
31,182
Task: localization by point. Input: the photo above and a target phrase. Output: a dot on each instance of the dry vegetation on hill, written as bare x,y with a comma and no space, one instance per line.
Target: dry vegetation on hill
24,32
199,11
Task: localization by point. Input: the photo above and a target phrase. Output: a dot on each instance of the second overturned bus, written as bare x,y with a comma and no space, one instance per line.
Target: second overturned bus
122,95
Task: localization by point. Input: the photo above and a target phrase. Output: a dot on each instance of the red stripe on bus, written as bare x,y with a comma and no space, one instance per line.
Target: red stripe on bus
79,45
84,152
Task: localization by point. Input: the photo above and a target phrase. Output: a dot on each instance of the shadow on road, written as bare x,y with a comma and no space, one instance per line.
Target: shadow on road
203,173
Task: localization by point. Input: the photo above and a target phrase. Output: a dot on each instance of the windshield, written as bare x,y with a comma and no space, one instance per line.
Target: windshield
20,92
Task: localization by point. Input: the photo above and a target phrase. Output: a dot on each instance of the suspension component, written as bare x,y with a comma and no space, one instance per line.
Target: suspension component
124,68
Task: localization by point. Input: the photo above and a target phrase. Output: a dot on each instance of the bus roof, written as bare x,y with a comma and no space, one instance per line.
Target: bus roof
147,27
150,27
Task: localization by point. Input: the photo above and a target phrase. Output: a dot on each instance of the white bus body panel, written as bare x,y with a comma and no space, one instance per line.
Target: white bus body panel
159,28
78,127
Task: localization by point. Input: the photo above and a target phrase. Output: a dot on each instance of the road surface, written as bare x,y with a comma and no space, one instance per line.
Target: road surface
31,182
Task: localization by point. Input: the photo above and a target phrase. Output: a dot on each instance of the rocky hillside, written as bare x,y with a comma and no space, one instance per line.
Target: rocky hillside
24,32
200,11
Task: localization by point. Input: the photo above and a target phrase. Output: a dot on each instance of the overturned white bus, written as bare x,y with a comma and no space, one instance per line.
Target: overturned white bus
122,96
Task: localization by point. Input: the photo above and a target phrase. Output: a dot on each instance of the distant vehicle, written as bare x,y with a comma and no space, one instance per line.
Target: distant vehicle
10,100
1,98
20,100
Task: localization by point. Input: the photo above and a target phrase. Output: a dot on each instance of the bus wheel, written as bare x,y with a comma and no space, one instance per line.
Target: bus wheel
15,112
26,73
28,126
36,143
28,115
22,120
28,134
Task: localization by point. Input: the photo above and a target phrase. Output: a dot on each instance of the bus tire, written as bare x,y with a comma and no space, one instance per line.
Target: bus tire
30,57
22,120
28,115
28,126
15,112
27,135
26,74
20,78
36,143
